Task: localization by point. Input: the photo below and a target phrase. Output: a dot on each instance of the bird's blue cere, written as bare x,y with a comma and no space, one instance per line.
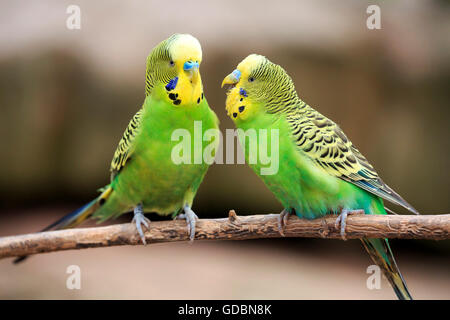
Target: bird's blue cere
172,84
189,65
237,75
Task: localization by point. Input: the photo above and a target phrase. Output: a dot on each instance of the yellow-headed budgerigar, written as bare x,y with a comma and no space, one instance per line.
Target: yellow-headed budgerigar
144,176
320,171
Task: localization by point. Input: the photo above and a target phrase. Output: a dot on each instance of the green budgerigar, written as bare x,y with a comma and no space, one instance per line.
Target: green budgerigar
144,176
320,171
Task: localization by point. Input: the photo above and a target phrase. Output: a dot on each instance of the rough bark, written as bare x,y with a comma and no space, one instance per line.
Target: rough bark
432,227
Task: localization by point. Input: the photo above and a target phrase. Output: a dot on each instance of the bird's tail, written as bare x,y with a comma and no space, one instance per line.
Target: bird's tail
380,252
76,217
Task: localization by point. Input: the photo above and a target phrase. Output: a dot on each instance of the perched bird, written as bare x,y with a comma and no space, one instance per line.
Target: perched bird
144,177
320,171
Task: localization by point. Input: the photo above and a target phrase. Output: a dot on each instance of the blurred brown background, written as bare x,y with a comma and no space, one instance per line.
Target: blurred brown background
67,95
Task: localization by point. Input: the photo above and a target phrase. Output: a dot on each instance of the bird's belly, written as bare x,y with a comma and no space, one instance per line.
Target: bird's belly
303,186
158,183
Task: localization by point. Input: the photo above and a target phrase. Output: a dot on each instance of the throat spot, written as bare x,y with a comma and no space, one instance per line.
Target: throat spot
173,96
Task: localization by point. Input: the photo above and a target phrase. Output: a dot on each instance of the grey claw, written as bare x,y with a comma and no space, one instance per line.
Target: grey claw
181,216
191,218
139,219
283,218
342,220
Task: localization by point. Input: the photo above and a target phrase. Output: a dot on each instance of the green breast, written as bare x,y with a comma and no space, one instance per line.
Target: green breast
151,177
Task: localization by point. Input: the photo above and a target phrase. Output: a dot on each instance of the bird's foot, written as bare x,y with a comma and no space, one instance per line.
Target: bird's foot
191,219
283,218
342,220
140,220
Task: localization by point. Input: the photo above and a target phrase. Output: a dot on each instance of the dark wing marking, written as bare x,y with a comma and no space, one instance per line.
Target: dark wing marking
327,145
126,146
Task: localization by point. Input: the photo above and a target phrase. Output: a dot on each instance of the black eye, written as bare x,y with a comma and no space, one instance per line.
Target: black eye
251,79
171,63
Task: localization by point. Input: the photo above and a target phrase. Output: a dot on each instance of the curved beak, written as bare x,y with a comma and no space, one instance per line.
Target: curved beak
232,79
192,70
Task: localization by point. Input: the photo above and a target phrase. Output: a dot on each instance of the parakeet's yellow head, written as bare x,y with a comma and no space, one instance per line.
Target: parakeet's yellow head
255,86
173,70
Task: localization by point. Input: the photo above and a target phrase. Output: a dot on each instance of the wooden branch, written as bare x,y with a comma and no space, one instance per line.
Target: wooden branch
432,227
